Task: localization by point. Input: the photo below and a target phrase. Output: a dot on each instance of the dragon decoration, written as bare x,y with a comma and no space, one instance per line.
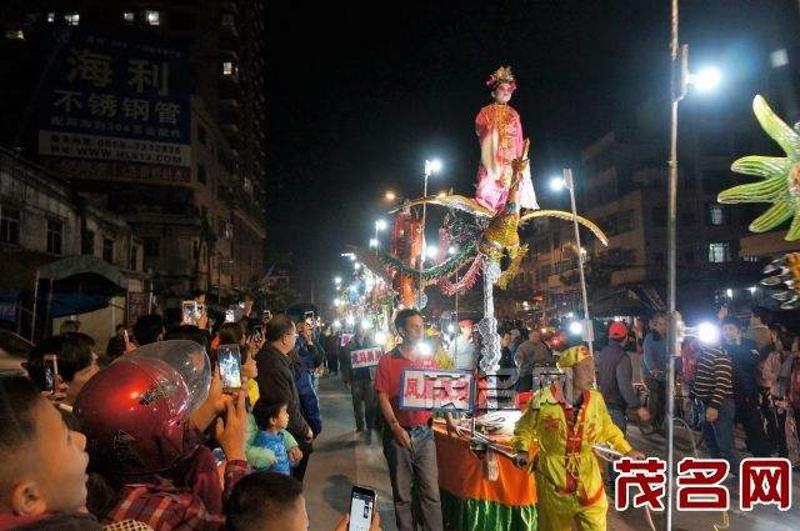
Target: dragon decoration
780,187
483,245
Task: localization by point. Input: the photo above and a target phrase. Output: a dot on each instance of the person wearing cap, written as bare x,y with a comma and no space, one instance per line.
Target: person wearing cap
615,378
462,349
558,430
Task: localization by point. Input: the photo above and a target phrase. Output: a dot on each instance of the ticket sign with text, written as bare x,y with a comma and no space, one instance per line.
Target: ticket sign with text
437,390
365,357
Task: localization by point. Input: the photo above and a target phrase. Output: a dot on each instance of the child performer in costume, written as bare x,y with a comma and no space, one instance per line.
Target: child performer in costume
558,430
499,133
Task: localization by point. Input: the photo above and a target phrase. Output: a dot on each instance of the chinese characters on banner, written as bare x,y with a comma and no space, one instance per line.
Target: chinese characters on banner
365,357
123,102
435,389
701,484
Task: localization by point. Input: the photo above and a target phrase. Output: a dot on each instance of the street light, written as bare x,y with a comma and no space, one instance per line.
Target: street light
706,79
566,181
680,80
431,252
557,183
380,225
390,196
337,280
431,167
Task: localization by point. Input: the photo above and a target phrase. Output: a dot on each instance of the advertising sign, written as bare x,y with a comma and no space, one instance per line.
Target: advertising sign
118,101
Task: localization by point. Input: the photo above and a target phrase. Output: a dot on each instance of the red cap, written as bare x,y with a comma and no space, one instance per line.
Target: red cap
617,330
465,322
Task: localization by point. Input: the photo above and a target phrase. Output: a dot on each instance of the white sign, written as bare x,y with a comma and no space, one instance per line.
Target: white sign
434,389
365,357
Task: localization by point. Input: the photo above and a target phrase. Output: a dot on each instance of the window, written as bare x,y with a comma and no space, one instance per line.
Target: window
134,262
151,247
716,215
87,245
9,225
15,35
201,174
228,20
72,19
51,17
129,17
153,18
55,236
201,134
228,68
108,250
719,252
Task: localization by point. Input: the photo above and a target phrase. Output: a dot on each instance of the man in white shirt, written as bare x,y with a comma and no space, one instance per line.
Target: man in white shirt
462,349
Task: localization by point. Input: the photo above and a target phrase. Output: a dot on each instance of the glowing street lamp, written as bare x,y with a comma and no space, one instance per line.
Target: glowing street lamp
559,183
680,79
373,243
337,280
431,167
390,195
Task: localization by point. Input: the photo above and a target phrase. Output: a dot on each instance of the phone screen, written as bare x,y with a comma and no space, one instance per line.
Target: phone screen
190,313
362,504
51,372
230,366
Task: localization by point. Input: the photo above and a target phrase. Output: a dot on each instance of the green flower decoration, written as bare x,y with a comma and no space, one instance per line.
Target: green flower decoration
780,184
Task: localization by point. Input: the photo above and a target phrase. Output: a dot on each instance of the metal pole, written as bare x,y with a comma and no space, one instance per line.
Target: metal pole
422,253
35,299
676,86
571,185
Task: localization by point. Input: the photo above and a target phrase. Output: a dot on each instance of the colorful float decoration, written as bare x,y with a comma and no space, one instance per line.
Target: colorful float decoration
780,187
488,236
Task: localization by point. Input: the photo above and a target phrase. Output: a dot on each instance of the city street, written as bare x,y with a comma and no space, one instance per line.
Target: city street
341,458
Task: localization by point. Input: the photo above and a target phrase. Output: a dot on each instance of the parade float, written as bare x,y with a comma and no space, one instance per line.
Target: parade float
488,490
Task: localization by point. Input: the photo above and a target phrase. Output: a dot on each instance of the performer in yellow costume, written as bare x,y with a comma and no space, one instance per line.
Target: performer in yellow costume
558,430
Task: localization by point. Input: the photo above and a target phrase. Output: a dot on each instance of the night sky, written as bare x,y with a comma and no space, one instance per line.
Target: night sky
360,95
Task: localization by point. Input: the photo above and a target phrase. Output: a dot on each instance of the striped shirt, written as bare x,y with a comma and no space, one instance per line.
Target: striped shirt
713,377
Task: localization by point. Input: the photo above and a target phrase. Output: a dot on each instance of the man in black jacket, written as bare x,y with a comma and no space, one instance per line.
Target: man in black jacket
615,378
275,376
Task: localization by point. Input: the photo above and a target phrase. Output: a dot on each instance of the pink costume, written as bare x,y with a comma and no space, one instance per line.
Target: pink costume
499,133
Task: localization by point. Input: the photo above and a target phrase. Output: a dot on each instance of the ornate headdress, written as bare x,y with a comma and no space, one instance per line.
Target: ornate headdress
502,75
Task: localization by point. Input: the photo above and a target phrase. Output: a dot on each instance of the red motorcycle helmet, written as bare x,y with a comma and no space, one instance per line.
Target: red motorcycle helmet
134,414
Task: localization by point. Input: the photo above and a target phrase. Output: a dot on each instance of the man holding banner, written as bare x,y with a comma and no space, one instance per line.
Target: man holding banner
361,359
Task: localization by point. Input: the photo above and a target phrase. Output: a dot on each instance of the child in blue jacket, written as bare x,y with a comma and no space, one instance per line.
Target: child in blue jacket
272,418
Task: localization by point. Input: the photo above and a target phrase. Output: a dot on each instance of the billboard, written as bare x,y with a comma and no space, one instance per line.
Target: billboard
121,102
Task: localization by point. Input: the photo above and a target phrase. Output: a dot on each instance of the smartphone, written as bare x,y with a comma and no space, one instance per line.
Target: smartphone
190,313
230,366
309,316
229,316
362,505
50,372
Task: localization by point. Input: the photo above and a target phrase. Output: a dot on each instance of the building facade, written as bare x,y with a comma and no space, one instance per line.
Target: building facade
200,212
